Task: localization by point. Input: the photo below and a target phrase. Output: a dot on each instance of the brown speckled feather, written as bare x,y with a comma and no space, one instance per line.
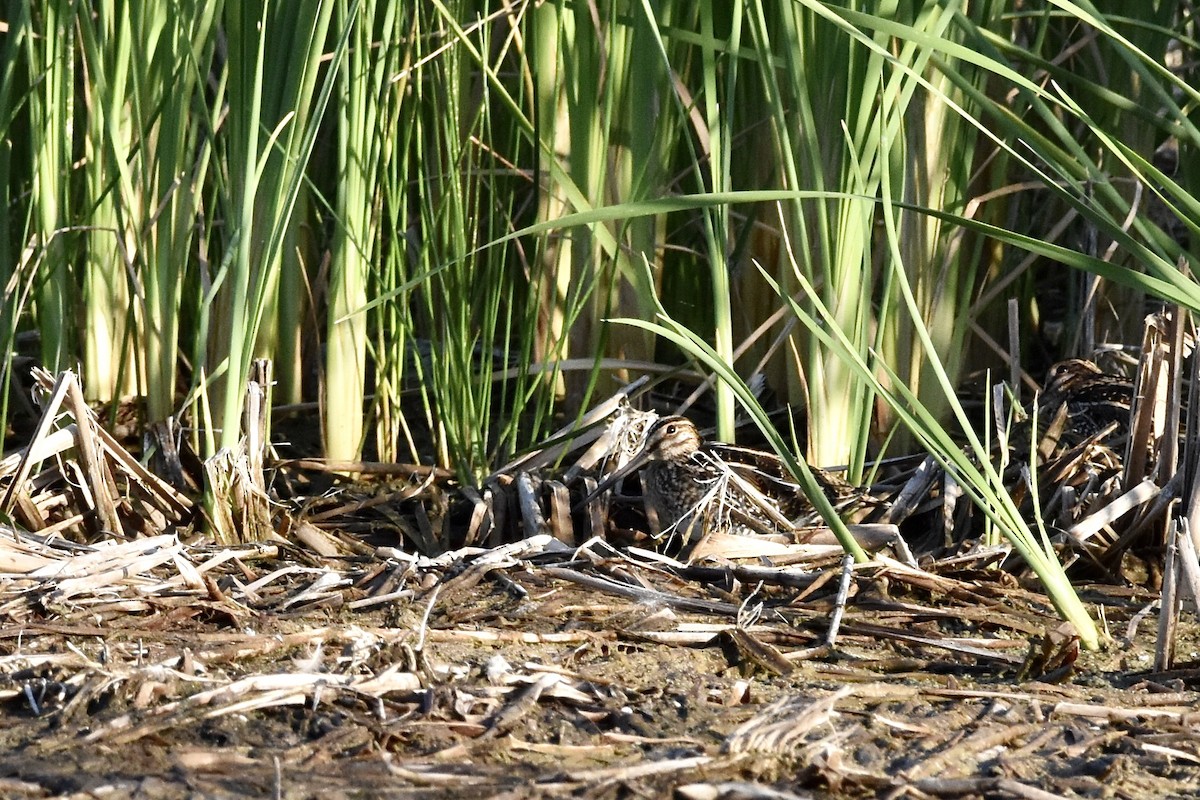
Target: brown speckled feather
692,484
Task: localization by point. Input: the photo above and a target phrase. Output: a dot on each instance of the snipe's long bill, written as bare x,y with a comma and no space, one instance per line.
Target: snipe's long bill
695,486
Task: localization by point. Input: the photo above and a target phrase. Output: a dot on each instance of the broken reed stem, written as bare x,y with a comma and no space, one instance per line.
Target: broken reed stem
97,475
49,412
1168,609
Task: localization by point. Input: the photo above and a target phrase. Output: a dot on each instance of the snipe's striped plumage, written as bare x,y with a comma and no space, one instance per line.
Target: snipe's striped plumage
695,486
1092,399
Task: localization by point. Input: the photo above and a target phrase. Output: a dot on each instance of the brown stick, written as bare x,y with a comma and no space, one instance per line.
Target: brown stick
94,469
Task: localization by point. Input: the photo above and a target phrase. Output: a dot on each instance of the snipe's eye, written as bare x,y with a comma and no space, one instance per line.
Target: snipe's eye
671,430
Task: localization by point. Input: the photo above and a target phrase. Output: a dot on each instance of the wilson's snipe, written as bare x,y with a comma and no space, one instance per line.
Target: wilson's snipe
1093,398
695,485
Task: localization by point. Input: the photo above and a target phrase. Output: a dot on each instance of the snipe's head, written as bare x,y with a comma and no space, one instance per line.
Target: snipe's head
1069,376
672,439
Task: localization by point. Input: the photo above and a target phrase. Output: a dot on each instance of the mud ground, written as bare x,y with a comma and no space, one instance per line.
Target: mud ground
527,685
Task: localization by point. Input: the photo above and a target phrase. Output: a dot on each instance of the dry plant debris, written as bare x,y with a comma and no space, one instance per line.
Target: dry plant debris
534,669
